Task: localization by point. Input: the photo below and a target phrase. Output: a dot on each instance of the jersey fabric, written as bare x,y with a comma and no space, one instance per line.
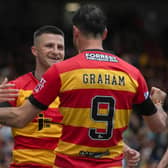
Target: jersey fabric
35,143
97,90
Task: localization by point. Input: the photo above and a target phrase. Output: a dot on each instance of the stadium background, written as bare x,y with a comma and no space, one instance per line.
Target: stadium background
138,32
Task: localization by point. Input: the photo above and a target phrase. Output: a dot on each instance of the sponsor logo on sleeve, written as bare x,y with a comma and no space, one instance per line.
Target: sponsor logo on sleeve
40,85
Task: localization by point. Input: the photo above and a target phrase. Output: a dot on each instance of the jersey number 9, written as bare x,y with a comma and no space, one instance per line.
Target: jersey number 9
107,118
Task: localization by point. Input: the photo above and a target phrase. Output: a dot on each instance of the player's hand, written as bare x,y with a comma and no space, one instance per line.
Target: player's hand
157,95
132,157
7,94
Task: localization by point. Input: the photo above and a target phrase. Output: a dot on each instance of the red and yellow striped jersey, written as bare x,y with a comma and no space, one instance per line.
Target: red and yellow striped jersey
97,90
35,143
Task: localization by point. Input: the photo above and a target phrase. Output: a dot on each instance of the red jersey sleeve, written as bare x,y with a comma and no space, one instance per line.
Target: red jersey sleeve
142,91
142,102
47,89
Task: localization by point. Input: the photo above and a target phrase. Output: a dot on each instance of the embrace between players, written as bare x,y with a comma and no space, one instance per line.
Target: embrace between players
92,116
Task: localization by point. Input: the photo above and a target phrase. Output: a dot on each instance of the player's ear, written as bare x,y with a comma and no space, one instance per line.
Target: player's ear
34,50
105,34
75,31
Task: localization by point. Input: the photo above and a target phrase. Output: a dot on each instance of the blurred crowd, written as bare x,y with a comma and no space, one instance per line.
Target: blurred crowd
148,52
132,42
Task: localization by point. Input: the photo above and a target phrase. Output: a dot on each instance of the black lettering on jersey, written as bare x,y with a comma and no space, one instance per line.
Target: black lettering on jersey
92,78
43,122
106,79
99,80
85,78
121,80
114,80
94,154
40,121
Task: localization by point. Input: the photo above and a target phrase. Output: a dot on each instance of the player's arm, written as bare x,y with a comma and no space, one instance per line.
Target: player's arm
18,116
6,92
153,114
131,155
164,161
44,93
158,121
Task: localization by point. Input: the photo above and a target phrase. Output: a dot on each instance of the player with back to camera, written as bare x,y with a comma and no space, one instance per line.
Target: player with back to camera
107,88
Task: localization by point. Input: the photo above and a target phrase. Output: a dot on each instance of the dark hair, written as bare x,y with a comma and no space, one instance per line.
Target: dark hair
90,19
47,29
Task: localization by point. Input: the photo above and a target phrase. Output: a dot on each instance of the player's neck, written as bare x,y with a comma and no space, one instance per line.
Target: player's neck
90,44
38,73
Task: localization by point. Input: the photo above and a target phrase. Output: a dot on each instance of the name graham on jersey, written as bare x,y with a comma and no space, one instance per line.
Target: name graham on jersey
100,57
103,79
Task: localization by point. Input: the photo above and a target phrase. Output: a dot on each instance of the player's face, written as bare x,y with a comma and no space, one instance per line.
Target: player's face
49,49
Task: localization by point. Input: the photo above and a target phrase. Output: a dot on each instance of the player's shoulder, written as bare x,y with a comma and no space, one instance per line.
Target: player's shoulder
129,65
110,57
23,80
130,69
